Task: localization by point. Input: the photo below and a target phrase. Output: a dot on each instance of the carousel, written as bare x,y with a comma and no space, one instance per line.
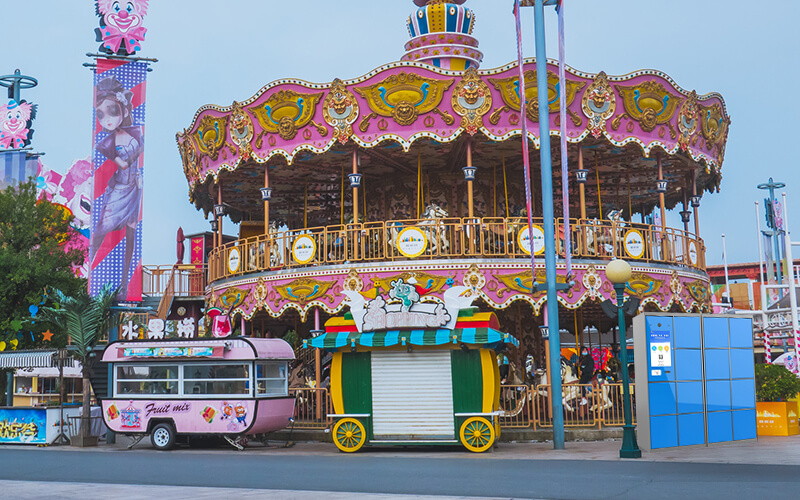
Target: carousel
414,172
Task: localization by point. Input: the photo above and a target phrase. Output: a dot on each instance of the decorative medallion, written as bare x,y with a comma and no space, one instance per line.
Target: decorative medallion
411,242
692,252
232,297
524,240
634,244
304,249
260,291
405,96
471,100
509,91
648,103
303,290
592,282
286,111
340,111
714,125
353,282
698,290
598,104
643,285
474,278
687,120
210,135
675,285
241,129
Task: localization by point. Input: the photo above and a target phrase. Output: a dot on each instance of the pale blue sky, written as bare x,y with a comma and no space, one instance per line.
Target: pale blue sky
215,52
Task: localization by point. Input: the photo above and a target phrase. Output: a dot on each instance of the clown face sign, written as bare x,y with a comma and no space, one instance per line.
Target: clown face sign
15,124
121,29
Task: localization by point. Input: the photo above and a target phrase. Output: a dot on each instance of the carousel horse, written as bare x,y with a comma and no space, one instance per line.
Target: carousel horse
601,240
438,233
257,249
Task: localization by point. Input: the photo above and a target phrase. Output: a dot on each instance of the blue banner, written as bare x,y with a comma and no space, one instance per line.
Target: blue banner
23,425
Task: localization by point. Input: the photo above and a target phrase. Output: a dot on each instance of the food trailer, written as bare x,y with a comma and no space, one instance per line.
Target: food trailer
411,383
234,387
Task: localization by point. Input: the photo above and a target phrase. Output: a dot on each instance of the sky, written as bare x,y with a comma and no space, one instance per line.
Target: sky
213,52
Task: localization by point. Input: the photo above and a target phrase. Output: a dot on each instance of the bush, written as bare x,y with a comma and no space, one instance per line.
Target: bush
775,383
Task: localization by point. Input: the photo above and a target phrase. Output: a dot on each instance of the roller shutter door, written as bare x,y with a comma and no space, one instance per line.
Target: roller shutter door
412,395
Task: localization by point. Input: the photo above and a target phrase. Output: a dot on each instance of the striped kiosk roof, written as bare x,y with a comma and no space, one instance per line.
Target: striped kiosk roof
388,338
30,359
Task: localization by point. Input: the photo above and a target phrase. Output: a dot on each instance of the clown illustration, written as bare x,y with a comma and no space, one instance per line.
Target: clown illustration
241,414
121,25
15,122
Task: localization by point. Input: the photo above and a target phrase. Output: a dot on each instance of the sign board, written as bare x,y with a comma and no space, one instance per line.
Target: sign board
304,249
660,356
23,425
634,244
524,240
693,253
411,242
234,260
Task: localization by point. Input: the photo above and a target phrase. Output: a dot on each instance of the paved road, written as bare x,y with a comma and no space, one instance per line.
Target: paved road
416,475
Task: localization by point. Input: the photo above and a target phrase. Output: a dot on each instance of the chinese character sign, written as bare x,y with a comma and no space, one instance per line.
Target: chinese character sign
16,119
115,252
121,27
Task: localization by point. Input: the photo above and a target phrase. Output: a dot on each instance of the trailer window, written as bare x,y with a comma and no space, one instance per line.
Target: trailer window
217,379
142,379
271,379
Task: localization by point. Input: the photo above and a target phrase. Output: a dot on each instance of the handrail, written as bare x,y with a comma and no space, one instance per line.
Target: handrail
166,300
455,238
186,280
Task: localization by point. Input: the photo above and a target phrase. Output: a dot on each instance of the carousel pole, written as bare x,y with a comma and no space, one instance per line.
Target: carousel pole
219,217
582,182
470,181
266,195
355,182
548,218
662,205
695,205
317,366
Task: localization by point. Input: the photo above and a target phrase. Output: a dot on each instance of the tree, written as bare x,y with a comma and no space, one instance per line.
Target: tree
84,319
33,235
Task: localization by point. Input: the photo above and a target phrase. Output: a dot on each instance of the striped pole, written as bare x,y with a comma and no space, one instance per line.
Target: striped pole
767,348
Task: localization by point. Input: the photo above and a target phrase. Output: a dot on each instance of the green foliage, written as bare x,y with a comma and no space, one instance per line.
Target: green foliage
32,238
82,317
292,338
775,383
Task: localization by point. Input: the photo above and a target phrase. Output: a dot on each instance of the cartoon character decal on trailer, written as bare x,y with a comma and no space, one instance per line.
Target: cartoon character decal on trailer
121,27
16,119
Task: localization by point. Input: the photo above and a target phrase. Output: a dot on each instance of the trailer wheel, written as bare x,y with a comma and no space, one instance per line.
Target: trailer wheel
349,435
477,434
163,436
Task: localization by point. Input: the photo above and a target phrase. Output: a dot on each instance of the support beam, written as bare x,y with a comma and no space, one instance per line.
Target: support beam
582,185
266,202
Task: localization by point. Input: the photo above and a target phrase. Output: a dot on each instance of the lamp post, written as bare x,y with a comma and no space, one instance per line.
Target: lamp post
771,186
619,272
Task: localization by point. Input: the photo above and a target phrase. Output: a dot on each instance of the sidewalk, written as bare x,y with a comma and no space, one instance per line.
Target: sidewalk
765,450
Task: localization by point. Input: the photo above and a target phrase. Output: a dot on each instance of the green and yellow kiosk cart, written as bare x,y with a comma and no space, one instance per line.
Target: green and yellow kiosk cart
405,386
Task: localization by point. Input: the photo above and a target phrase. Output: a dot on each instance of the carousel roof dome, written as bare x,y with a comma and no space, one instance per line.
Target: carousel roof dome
441,35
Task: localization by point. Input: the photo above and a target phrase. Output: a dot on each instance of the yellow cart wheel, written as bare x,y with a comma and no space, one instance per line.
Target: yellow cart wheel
349,435
477,434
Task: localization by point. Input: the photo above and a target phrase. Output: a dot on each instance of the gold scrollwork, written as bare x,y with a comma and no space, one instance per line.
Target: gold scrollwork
648,103
188,156
285,112
404,96
714,124
447,118
303,290
510,95
471,99
598,104
699,291
364,125
232,297
210,135
340,110
523,283
494,118
643,285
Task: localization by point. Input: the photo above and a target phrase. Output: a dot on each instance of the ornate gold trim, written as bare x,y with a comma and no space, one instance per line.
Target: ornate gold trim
302,290
471,99
649,104
508,91
285,112
210,135
340,110
404,96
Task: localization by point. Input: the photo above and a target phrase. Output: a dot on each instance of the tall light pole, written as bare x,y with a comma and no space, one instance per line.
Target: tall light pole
549,220
771,186
618,272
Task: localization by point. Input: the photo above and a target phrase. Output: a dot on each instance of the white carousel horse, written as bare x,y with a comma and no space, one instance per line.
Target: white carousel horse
600,239
437,235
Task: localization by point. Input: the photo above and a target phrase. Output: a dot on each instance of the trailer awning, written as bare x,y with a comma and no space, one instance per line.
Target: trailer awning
30,359
473,336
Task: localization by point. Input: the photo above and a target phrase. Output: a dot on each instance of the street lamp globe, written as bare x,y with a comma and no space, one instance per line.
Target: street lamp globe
618,271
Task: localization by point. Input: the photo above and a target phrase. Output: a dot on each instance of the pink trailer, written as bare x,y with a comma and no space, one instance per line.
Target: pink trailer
232,388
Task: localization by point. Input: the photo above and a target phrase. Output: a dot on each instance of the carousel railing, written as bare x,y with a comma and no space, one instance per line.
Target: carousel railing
184,280
453,238
521,406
